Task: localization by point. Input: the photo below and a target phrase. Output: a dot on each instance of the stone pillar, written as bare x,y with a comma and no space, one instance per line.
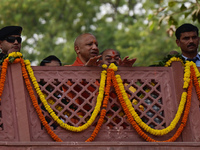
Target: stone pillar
20,102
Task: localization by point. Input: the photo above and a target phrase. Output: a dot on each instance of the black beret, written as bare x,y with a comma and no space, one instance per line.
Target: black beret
10,30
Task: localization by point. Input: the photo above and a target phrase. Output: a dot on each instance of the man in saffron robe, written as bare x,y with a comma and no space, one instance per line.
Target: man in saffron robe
86,48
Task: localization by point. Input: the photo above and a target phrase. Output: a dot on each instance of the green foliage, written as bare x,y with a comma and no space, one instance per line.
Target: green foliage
175,10
172,4
130,26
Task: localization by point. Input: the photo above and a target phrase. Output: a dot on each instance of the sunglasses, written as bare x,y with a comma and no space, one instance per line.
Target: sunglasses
11,39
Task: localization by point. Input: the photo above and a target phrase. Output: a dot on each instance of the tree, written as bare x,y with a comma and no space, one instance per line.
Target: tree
50,27
129,26
176,12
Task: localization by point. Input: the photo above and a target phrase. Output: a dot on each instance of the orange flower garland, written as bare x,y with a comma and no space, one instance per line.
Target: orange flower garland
35,103
138,129
196,83
105,102
3,75
192,71
31,93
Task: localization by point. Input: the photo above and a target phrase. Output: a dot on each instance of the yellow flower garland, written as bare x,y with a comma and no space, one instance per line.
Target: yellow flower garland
181,105
9,60
187,73
139,120
134,114
15,55
168,63
52,113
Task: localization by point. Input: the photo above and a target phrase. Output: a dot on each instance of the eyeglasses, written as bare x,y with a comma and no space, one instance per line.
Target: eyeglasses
12,39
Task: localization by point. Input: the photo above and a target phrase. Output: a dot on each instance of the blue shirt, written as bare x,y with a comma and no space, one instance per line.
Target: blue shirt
196,58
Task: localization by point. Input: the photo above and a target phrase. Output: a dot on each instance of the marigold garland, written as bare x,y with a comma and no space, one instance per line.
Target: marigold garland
187,73
139,120
191,75
4,67
103,112
138,129
29,88
168,63
53,114
105,102
35,103
3,75
195,80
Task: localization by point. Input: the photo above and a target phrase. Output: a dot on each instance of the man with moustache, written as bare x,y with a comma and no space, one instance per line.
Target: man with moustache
10,40
187,38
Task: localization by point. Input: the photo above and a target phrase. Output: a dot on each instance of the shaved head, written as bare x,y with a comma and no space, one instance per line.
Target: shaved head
80,37
86,47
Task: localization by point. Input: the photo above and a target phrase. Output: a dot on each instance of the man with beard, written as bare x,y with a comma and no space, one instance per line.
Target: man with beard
10,40
187,38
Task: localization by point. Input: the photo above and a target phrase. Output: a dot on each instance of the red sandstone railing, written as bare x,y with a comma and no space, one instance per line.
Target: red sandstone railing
157,90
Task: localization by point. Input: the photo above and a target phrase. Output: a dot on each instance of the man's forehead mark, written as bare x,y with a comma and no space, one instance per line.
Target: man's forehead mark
113,52
111,56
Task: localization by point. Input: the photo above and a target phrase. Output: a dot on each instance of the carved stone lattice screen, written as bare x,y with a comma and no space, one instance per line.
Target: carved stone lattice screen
72,93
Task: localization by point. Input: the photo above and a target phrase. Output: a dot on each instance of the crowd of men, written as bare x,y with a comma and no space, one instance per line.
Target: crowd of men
86,47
